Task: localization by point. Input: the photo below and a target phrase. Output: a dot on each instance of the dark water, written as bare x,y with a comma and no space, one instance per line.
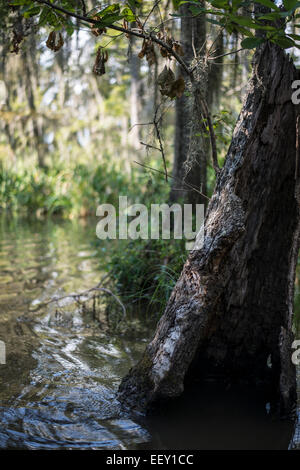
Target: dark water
57,388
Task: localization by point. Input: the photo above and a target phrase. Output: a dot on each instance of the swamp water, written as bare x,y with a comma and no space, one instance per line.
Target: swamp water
57,388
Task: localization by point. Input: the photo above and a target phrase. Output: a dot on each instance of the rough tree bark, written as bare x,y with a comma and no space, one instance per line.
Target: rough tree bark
231,309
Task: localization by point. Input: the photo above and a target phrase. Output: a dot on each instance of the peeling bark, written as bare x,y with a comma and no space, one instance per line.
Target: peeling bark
231,309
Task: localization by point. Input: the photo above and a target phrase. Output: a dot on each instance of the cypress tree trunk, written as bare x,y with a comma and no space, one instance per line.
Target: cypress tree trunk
134,65
36,125
189,162
215,75
230,312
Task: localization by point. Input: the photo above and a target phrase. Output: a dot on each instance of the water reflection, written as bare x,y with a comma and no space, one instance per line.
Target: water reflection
210,417
57,389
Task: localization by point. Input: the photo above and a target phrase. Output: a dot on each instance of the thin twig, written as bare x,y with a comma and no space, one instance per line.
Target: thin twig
203,109
112,40
173,177
108,291
212,138
149,146
164,22
143,35
227,53
193,41
84,293
215,40
150,12
158,135
140,124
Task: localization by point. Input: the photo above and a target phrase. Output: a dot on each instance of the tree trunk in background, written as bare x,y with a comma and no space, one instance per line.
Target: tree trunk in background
62,58
215,75
193,172
36,125
4,76
134,64
231,309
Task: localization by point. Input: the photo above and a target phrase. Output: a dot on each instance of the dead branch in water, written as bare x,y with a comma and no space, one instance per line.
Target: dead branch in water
99,287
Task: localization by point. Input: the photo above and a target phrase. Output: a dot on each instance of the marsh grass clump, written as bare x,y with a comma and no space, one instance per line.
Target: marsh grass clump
73,190
145,272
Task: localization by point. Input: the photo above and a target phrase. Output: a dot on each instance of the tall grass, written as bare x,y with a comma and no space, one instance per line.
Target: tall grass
74,190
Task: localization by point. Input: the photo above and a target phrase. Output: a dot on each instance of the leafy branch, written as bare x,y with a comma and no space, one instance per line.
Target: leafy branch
106,18
225,13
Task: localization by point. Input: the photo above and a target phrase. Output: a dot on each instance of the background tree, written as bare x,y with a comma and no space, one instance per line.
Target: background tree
190,159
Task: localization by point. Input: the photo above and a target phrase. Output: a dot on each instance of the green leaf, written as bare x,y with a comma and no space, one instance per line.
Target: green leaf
176,4
251,43
44,16
269,4
53,20
128,14
32,11
196,10
114,8
294,36
283,42
112,13
108,20
270,16
245,32
210,20
220,4
244,21
69,29
236,4
289,4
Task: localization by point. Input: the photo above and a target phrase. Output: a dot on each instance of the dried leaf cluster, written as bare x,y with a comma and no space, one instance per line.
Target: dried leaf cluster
148,51
95,30
101,59
175,45
169,85
55,41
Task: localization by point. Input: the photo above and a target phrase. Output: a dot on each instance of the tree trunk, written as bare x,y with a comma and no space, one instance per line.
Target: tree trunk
230,312
215,75
36,125
190,149
134,65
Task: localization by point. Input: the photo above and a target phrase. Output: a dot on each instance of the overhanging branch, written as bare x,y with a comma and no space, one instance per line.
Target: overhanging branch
151,36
